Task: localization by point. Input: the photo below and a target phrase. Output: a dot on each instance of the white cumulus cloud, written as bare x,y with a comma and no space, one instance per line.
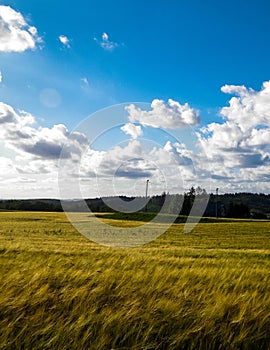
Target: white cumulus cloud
133,130
16,35
169,115
238,148
64,40
21,136
249,108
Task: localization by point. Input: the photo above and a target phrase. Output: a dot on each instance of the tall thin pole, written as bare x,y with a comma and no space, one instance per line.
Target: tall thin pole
216,202
146,193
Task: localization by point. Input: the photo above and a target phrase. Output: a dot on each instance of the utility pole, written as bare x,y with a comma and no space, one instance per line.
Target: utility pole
217,202
146,193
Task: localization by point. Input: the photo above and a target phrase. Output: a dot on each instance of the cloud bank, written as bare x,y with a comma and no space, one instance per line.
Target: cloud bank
233,155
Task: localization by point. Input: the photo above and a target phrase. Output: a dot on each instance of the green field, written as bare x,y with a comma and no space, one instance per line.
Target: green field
209,289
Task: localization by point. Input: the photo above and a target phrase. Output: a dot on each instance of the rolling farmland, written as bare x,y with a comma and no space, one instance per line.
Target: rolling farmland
209,289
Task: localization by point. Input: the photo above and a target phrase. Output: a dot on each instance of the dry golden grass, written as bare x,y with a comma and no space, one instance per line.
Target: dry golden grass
206,290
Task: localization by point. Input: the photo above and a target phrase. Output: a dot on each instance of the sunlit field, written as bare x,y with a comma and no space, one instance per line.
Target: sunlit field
209,289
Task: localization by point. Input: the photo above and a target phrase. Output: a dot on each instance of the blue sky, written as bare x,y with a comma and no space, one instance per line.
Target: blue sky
90,55
185,50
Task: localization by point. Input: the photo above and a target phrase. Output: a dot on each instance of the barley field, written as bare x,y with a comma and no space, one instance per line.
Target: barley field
209,289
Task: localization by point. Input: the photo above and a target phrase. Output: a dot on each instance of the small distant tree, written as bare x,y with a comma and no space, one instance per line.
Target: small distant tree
189,198
200,191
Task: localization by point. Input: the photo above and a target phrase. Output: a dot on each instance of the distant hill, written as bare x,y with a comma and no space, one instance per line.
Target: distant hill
234,205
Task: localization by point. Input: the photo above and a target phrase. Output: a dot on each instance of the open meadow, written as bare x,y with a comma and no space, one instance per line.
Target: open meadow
209,289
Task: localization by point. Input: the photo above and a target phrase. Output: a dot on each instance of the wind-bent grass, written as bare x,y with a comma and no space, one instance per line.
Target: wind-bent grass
206,290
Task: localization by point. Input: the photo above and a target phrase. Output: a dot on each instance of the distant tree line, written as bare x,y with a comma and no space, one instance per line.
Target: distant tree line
31,205
231,205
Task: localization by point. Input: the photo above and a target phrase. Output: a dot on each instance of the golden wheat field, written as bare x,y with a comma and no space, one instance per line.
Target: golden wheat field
209,289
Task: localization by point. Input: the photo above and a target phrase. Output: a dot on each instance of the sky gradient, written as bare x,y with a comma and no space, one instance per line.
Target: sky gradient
201,68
